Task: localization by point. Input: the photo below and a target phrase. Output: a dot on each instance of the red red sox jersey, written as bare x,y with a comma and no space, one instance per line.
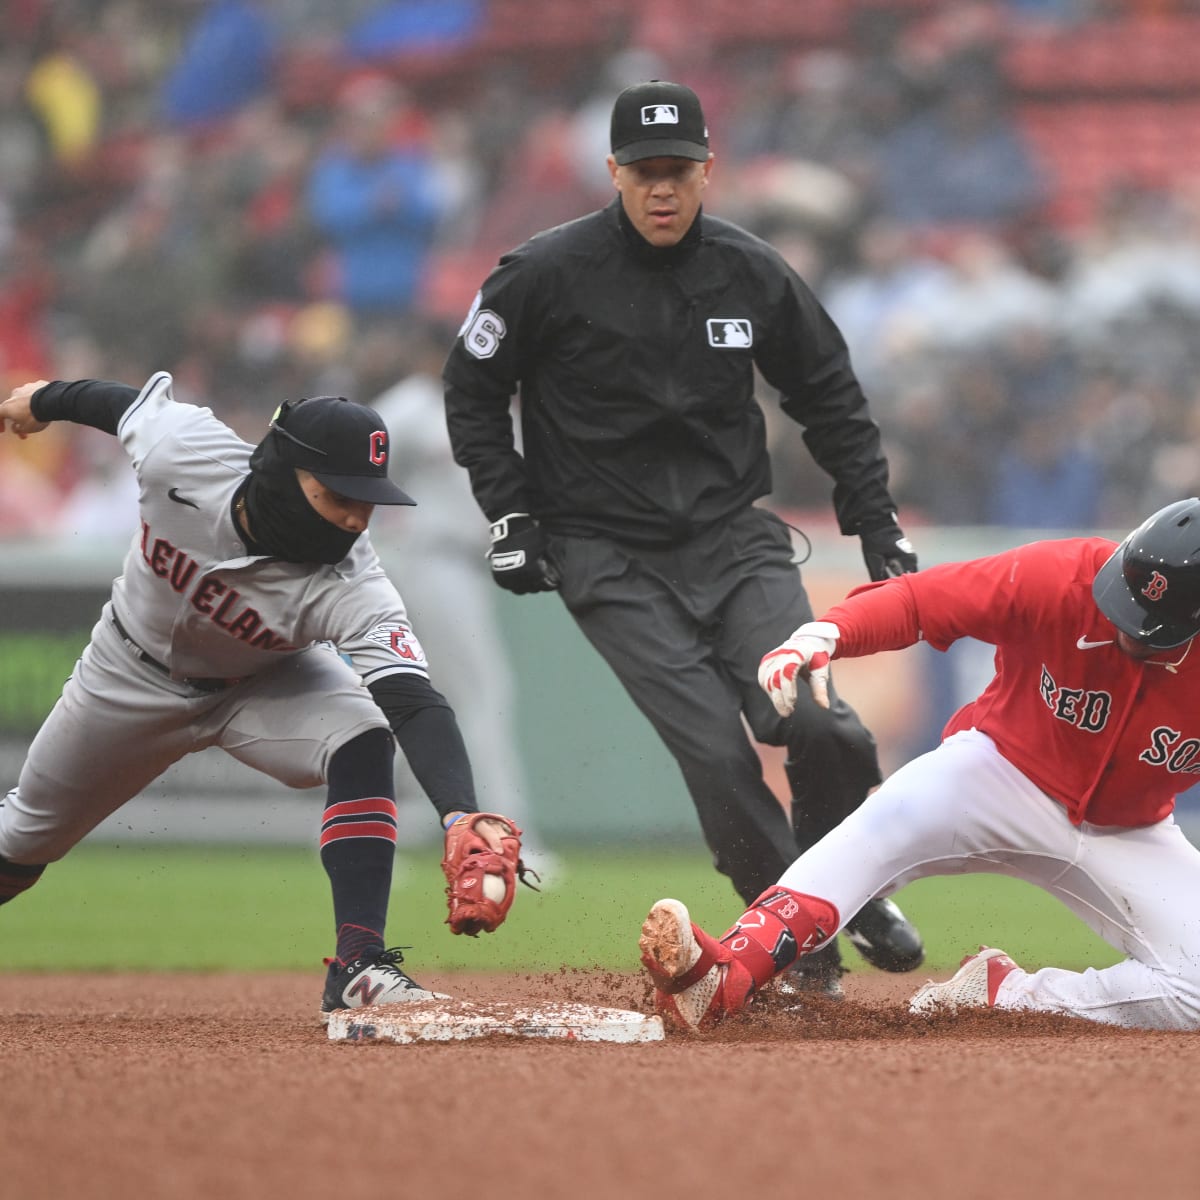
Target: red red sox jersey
1111,738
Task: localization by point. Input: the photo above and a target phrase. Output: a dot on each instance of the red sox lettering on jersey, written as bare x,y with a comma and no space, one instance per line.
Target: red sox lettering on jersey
1094,728
1170,749
1086,710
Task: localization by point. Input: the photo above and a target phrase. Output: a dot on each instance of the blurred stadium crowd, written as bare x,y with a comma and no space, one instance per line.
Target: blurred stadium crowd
999,202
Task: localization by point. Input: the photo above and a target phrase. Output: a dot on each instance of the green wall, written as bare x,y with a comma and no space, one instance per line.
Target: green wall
596,768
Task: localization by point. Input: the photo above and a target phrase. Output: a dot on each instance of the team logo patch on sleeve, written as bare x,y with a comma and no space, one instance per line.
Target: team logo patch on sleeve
401,641
730,333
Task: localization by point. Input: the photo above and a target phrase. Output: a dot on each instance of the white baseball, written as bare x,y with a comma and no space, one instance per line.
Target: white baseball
493,887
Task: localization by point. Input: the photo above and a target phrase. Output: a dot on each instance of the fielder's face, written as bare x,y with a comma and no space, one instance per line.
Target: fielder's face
351,515
661,196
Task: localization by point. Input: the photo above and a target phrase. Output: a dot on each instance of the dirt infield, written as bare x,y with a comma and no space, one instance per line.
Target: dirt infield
225,1086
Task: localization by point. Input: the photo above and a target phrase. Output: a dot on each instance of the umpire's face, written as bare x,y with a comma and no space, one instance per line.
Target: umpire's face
661,196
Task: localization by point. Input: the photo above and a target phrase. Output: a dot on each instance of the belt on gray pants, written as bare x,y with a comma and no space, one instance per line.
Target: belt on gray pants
201,685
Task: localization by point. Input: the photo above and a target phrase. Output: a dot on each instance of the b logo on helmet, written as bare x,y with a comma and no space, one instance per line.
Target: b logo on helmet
1155,587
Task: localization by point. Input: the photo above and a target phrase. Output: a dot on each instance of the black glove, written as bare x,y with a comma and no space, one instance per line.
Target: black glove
887,552
518,556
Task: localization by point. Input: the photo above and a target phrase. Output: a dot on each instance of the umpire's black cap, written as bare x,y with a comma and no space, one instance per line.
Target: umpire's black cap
345,445
658,120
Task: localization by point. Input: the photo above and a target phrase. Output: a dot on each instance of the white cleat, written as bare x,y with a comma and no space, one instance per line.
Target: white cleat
973,985
367,981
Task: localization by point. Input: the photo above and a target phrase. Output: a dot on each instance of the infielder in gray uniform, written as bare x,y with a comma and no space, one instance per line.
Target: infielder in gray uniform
251,614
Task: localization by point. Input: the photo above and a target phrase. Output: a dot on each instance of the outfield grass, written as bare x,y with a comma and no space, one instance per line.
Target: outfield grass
210,908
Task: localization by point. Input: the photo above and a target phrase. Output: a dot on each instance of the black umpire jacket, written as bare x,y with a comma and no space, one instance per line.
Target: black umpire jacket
635,366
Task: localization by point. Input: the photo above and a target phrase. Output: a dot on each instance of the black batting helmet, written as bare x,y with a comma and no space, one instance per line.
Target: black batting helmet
1150,586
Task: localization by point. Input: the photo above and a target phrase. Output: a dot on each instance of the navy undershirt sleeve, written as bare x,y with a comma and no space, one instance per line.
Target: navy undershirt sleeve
429,737
96,402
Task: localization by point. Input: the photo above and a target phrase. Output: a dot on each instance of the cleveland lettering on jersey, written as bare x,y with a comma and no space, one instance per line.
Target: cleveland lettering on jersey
210,596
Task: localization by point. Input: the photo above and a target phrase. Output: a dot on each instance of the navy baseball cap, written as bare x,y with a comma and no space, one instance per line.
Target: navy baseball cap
658,120
346,446
1149,587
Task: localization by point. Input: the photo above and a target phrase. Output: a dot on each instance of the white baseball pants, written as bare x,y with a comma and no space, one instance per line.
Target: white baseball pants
963,808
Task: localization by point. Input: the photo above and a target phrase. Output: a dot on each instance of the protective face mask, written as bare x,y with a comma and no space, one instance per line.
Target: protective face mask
284,524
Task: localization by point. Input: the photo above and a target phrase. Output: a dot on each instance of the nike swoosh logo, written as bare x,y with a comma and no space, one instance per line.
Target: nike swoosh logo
1084,644
173,494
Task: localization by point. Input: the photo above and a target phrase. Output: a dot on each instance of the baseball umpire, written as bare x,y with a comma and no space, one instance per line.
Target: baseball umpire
632,335
1063,772
248,590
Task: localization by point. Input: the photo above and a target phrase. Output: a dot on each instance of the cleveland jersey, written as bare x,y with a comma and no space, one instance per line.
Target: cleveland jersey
192,597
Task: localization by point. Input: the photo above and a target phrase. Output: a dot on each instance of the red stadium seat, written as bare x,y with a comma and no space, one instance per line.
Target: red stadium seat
1126,56
1089,145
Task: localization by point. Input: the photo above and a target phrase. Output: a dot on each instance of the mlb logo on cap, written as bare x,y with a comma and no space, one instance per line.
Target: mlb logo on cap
660,114
658,119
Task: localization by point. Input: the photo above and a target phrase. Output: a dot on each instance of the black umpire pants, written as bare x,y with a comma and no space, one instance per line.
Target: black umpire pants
684,629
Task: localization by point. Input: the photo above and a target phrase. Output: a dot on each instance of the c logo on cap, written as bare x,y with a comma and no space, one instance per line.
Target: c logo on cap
378,455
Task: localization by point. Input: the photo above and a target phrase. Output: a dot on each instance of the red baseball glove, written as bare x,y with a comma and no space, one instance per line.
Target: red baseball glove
481,868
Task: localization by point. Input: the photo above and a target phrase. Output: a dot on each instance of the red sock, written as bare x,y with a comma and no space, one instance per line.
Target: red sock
777,928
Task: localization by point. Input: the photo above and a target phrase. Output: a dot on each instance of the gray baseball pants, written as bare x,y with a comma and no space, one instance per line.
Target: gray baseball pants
684,629
119,725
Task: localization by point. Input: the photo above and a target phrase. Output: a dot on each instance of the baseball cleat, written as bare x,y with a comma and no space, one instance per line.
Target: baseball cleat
816,975
377,980
696,980
885,937
973,985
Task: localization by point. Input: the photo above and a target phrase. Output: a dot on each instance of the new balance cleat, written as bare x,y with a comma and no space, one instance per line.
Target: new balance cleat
376,980
696,980
885,937
973,985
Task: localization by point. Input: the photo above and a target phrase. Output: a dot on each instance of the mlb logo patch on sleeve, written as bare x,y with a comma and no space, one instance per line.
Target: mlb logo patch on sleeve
730,333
